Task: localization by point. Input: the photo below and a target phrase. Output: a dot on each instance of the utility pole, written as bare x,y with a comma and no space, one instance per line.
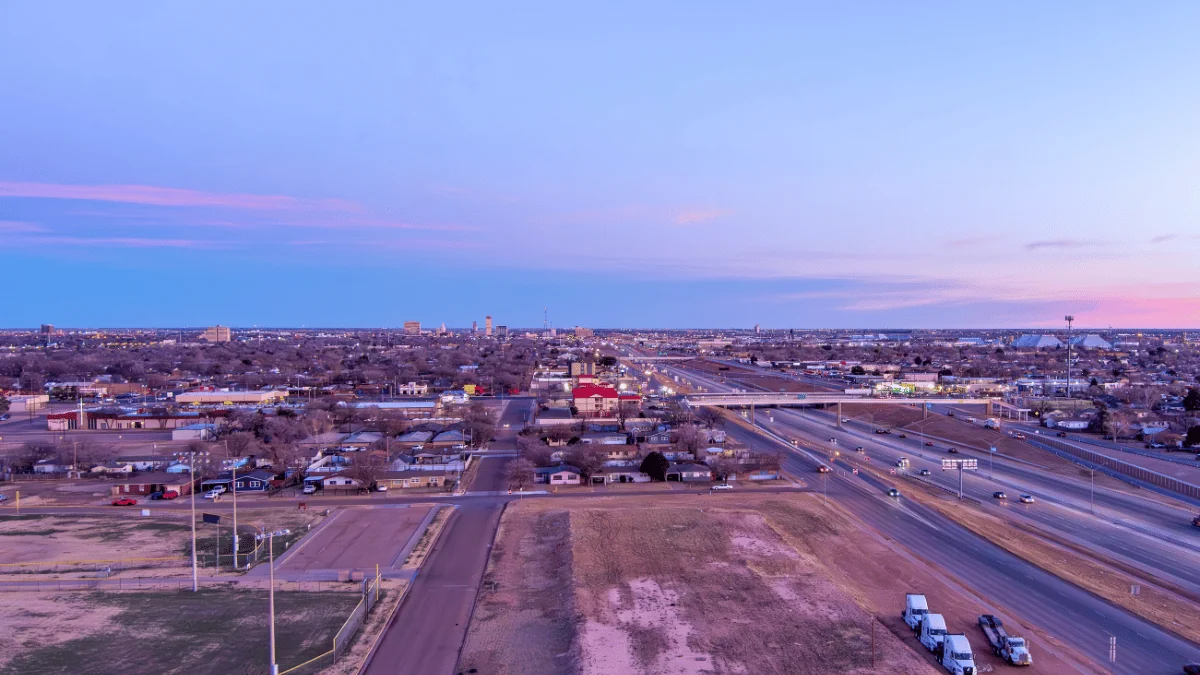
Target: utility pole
235,532
271,547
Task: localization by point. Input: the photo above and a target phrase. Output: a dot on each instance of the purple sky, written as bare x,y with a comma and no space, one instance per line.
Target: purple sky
647,164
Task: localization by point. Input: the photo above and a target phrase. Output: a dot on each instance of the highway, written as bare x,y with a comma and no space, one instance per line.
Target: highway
1021,589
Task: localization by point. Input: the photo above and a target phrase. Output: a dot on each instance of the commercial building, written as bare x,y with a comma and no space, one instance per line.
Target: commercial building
412,327
487,326
502,331
47,329
1037,342
24,403
593,400
228,398
217,333
581,332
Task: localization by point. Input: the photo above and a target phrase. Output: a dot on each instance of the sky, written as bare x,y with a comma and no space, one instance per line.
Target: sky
647,164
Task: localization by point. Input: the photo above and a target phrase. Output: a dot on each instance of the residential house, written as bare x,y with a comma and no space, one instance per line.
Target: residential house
689,472
145,462
144,484
415,479
604,438
113,469
258,480
340,481
51,466
431,461
562,474
626,474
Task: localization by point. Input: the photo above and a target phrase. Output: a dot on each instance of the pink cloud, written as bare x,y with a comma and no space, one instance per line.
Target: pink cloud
17,226
394,245
695,216
118,242
160,196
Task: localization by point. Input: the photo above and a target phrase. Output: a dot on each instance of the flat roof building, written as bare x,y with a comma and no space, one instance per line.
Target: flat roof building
262,397
217,333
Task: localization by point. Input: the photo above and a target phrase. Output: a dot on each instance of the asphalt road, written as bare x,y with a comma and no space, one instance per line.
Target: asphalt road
1018,588
426,634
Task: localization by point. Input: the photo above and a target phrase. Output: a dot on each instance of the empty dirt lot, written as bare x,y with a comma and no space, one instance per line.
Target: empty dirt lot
357,538
775,584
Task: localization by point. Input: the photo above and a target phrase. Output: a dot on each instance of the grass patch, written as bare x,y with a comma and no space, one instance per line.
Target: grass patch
213,631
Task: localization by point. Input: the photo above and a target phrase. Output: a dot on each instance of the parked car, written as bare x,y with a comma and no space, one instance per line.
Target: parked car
723,486
924,472
156,495
999,495
309,489
170,494
380,487
1026,499
124,501
214,493
1155,445
893,492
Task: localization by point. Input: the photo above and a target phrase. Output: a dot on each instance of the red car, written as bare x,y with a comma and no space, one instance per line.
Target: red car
170,494
125,501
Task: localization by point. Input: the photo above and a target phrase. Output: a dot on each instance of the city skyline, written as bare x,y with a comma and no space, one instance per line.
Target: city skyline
787,165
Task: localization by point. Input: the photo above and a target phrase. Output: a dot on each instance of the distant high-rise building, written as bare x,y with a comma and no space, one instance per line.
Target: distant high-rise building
581,332
217,333
47,329
553,332
757,329
474,327
442,330
412,327
502,331
487,326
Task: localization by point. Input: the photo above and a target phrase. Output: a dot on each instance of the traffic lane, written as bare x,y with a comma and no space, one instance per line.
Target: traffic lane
1153,512
1060,608
1155,556
428,630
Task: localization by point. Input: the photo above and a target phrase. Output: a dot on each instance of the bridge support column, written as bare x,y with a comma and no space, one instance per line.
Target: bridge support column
991,409
839,415
924,411
751,413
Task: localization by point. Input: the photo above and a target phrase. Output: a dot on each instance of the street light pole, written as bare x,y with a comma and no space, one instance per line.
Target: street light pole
235,532
192,471
1069,319
271,564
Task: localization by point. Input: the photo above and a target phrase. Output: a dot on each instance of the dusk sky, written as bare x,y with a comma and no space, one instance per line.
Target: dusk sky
642,164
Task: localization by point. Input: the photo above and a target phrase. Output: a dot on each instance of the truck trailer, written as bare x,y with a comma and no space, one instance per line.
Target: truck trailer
1012,649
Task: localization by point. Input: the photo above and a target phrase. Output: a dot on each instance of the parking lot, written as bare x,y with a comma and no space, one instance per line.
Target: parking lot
356,538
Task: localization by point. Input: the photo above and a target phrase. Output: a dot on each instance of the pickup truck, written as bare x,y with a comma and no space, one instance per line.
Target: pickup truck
1012,649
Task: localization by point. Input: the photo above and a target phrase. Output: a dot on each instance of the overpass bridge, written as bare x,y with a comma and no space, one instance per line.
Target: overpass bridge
753,400
660,358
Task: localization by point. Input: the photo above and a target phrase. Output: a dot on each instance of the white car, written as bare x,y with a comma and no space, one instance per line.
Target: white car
381,488
213,493
309,489
1026,499
723,486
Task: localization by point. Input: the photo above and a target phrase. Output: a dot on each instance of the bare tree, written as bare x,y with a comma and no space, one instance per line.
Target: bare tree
520,473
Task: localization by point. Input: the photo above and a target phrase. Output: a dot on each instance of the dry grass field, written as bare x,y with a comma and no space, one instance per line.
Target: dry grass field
213,631
708,587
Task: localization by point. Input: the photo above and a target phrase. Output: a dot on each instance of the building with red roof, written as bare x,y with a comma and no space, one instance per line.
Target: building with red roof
593,400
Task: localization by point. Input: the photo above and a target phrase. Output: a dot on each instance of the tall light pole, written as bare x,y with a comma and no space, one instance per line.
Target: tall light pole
270,537
1070,318
233,485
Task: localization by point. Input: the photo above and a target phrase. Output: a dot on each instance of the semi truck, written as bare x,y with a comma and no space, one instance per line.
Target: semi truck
956,655
915,609
933,633
1012,649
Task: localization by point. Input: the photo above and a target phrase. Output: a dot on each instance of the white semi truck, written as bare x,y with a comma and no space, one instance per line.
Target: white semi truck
956,655
1012,649
933,632
915,609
